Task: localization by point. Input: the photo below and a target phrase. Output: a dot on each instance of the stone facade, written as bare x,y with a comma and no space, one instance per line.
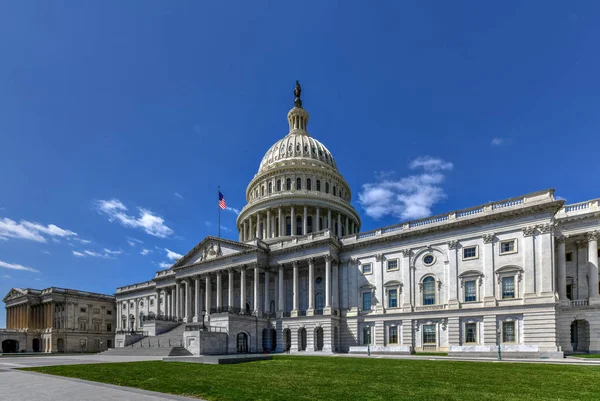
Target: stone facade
58,320
302,276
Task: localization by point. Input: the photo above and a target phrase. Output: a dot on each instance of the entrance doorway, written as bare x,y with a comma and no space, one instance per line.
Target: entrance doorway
242,343
302,339
319,338
60,345
580,336
287,337
37,345
10,346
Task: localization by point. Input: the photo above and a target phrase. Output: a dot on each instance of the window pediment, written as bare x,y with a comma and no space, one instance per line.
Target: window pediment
509,269
471,273
392,283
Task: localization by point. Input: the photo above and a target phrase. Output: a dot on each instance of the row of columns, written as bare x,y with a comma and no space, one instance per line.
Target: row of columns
591,239
26,316
274,225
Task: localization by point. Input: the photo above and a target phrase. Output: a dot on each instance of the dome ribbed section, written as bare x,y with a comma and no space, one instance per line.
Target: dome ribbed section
297,145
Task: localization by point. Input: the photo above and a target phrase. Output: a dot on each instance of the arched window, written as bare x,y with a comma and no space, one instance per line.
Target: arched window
262,191
298,225
319,301
242,342
334,191
309,225
326,187
298,147
288,225
298,183
308,184
321,223
429,291
270,187
288,184
278,185
318,185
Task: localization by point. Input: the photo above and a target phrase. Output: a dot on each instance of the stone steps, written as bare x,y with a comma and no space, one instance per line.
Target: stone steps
156,351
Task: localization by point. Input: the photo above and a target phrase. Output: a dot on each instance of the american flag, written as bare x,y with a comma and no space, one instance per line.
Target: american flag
222,203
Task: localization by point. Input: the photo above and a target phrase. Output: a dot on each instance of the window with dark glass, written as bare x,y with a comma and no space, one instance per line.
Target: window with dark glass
270,187
366,268
288,184
570,291
569,256
326,187
508,332
428,291
318,185
393,335
367,300
469,252
392,298
470,291
471,332
299,225
429,336
366,335
298,183
508,287
309,224
392,264
288,225
308,184
278,186
507,246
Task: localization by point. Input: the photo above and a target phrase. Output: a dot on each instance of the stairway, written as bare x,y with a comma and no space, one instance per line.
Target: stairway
169,343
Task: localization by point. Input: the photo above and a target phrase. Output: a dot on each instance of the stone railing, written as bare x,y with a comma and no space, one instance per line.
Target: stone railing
464,214
132,332
199,327
300,239
579,208
138,286
578,302
161,318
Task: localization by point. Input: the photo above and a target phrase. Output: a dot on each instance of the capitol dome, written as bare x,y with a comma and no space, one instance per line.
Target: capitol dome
297,189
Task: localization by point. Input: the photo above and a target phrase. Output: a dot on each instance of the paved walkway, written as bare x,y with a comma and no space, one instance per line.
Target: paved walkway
53,360
17,385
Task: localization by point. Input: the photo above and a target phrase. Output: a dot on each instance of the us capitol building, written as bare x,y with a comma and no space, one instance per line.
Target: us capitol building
522,272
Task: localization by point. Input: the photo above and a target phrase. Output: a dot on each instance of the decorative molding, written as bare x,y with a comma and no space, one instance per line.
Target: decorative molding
580,244
379,257
405,252
592,236
528,231
439,285
453,244
546,228
295,264
328,258
488,238
561,239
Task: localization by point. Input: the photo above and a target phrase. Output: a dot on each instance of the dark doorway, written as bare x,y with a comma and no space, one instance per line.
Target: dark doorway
287,334
109,343
60,344
242,343
319,342
37,345
10,346
302,339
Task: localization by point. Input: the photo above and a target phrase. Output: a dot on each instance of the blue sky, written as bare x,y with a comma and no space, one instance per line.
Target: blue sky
119,119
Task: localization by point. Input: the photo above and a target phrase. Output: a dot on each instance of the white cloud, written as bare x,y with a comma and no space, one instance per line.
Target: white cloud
147,221
107,254
133,241
83,241
46,252
78,254
409,197
177,194
6,276
232,209
497,141
15,266
173,255
31,231
145,252
165,265
226,229
110,252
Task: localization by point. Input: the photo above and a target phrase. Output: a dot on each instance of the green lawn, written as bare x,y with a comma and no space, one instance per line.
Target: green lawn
585,355
330,378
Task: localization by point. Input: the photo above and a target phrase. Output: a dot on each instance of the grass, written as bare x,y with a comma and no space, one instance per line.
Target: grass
585,355
330,378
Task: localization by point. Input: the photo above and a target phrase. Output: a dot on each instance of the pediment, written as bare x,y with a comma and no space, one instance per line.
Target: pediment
14,293
212,248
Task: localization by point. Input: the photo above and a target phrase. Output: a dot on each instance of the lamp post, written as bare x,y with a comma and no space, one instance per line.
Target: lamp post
369,344
499,331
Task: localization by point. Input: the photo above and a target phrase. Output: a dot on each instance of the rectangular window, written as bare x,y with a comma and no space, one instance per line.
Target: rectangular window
470,252
152,302
108,327
393,335
393,298
570,291
366,268
471,332
569,256
508,332
470,291
83,325
109,312
508,287
366,335
429,334
83,310
366,300
507,246
392,265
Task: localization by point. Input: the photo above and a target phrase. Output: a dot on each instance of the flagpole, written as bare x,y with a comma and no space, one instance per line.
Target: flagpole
219,206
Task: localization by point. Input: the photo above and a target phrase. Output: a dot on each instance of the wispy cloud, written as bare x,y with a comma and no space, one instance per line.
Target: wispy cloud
497,141
14,266
173,255
111,252
177,194
46,252
232,209
133,241
145,252
6,277
83,241
165,265
152,224
106,254
78,254
226,229
410,197
32,231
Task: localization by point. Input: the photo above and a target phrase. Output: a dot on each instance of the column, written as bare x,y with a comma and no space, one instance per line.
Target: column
334,285
8,317
250,231
280,231
219,292
488,270
245,230
293,221
594,297
258,230
316,223
168,313
160,295
452,294
266,295
529,280
177,300
295,290
329,219
339,224
562,268
188,301
137,314
243,289
281,303
208,294
256,282
311,287
198,311
328,260
230,289
268,223
347,226
305,221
